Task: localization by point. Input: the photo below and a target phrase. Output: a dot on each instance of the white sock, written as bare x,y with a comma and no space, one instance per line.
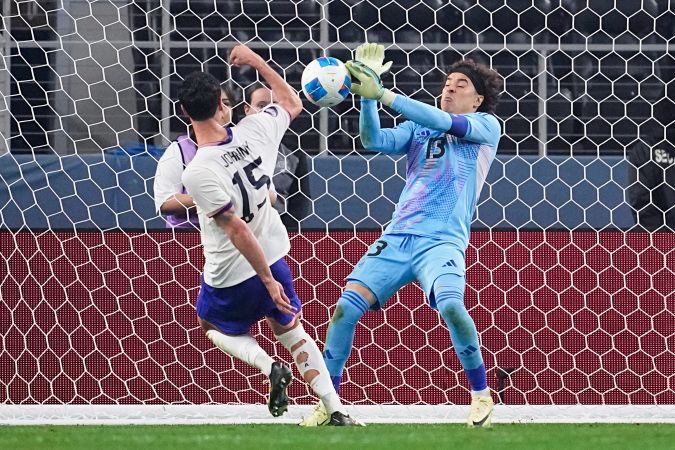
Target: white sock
307,357
243,347
482,393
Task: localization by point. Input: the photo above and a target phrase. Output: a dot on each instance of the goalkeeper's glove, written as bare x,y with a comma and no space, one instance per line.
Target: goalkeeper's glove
372,55
369,85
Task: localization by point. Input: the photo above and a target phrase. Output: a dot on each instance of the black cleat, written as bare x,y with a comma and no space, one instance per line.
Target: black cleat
280,378
338,419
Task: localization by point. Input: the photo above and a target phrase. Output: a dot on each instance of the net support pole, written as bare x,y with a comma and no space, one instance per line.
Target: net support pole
542,95
165,82
323,113
63,66
5,64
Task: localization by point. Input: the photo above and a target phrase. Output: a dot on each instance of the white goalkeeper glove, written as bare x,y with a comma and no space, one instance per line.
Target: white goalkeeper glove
367,68
372,55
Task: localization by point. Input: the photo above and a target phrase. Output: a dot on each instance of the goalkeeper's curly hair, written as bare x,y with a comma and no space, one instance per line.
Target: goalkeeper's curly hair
492,82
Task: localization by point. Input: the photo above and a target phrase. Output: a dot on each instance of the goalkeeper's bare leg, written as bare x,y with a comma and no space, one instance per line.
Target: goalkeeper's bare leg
310,364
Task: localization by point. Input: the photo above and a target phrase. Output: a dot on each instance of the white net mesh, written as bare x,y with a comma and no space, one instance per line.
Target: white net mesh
573,301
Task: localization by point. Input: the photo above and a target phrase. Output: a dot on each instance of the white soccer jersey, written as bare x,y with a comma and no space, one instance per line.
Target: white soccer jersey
237,174
168,177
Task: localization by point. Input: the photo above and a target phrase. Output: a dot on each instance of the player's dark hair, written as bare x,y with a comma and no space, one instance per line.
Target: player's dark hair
231,94
199,94
251,89
487,82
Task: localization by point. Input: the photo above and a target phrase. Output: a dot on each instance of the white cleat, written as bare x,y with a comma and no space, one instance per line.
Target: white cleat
481,412
317,418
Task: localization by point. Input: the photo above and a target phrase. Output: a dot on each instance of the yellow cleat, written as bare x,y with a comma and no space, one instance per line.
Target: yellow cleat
317,418
481,412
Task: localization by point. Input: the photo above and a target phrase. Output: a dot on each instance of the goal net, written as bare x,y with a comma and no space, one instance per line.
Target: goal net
570,270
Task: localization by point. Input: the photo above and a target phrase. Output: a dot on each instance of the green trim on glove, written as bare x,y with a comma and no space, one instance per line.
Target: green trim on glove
369,84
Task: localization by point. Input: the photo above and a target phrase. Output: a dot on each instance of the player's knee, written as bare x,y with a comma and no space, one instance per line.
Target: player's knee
449,295
450,304
350,308
205,326
279,329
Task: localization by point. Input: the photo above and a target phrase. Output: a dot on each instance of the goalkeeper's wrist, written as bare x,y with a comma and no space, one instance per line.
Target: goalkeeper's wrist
387,98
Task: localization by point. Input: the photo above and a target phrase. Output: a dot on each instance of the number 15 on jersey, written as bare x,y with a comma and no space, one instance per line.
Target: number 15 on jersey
251,194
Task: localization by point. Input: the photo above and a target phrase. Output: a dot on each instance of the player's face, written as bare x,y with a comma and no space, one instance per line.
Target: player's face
459,96
224,113
259,99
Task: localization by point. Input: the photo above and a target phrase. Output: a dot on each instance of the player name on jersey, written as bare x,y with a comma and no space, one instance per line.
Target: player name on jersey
235,155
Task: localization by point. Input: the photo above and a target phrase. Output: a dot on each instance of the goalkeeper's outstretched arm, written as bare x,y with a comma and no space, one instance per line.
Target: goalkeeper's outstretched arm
369,86
369,65
388,140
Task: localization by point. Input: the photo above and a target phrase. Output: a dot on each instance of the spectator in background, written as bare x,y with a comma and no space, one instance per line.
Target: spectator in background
171,198
651,192
290,179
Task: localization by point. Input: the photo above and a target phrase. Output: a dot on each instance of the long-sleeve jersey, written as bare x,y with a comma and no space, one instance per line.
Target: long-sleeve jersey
448,159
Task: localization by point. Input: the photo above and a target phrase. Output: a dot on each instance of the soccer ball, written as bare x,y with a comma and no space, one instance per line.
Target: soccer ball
326,81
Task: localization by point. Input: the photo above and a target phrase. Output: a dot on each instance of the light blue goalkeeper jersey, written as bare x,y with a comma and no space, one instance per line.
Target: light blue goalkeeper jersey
449,157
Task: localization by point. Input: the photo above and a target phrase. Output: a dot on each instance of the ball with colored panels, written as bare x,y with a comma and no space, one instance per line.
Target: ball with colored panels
326,81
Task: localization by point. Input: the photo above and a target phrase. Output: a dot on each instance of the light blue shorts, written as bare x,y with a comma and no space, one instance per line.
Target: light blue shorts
395,260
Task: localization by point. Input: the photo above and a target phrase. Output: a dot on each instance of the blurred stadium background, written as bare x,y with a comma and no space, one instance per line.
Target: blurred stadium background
573,300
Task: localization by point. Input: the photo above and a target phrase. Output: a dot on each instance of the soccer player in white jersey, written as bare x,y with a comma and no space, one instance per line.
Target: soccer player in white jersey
171,199
449,152
245,276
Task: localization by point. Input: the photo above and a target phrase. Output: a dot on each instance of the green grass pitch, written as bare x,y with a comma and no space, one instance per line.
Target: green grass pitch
372,437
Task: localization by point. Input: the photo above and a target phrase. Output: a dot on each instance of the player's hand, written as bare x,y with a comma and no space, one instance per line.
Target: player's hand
369,84
372,55
279,297
241,55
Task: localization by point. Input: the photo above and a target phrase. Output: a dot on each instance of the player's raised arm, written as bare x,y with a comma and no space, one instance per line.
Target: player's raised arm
474,89
388,140
284,94
370,86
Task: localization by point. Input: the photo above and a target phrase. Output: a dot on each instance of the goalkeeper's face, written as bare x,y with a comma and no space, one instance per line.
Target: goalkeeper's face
459,95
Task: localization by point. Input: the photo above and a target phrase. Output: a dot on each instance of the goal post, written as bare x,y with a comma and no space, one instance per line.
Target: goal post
569,279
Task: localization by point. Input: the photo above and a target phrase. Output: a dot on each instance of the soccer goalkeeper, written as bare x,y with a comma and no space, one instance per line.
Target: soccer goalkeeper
449,152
